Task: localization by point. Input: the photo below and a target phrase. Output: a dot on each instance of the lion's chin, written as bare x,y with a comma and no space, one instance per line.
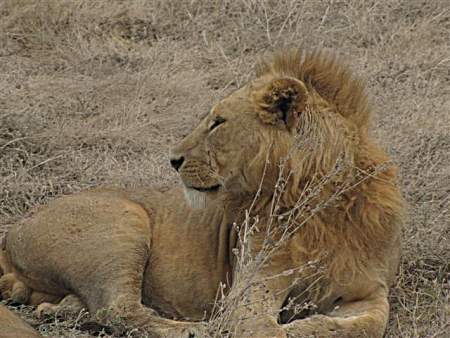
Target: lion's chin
195,199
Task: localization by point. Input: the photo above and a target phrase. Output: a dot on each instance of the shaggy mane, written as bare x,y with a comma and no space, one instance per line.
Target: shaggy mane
327,75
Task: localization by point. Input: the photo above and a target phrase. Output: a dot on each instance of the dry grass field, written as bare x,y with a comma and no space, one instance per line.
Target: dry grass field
96,92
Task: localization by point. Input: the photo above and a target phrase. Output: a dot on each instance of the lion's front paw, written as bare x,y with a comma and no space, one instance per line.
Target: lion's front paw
191,330
272,333
318,326
263,328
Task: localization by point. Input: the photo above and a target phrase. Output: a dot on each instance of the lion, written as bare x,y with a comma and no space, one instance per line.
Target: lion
11,326
157,259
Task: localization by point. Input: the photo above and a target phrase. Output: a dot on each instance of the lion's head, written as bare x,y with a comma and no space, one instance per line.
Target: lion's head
303,109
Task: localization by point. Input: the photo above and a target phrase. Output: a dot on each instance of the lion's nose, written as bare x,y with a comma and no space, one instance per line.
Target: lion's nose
176,163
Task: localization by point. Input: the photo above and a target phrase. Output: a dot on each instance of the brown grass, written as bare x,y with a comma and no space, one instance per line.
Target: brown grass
95,92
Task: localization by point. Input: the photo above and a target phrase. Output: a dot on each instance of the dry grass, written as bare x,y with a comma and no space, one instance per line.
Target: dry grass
95,92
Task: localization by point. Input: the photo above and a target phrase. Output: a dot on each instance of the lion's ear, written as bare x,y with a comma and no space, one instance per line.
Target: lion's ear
281,100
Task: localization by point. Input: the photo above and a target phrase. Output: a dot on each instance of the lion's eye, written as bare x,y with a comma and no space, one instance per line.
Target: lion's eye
217,122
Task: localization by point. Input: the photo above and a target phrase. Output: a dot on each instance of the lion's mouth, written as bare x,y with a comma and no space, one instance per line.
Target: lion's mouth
212,188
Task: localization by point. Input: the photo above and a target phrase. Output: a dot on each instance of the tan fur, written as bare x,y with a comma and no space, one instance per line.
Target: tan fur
119,249
11,326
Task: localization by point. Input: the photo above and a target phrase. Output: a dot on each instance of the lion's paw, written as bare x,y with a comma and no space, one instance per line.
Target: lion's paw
273,333
45,309
184,331
262,327
12,288
318,326
70,305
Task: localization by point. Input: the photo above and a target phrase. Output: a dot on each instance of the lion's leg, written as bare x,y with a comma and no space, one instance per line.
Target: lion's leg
119,304
117,299
136,317
113,292
257,315
365,318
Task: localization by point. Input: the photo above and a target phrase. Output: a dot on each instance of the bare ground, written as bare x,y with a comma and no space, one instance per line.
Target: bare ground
96,92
